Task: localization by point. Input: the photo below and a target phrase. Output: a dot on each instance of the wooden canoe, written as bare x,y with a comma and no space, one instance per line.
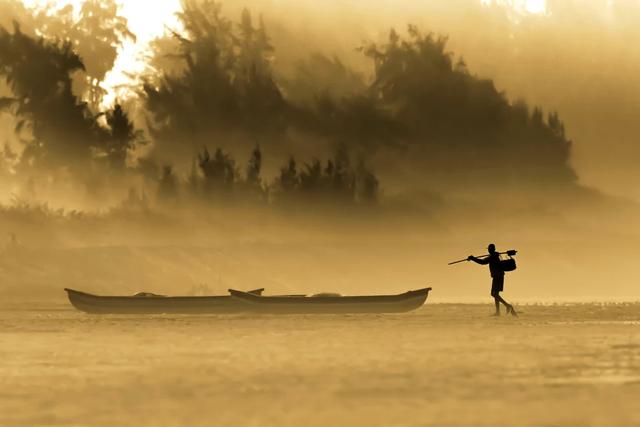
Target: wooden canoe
330,304
146,303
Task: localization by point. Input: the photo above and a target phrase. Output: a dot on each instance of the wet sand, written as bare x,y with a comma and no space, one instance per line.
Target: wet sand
555,365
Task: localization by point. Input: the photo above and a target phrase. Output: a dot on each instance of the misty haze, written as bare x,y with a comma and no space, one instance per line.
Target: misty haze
303,153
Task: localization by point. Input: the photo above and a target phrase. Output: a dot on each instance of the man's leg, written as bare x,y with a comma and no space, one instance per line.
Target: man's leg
510,309
496,287
496,298
499,300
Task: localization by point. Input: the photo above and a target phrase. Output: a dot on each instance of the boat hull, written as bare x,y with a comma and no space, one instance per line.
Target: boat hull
96,304
400,303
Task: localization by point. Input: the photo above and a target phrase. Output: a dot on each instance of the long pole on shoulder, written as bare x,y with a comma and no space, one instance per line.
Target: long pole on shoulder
510,252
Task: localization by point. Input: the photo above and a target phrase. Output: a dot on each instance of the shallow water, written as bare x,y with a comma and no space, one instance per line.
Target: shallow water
555,365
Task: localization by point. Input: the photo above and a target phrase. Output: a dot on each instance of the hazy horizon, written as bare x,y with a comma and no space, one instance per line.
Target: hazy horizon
435,170
216,212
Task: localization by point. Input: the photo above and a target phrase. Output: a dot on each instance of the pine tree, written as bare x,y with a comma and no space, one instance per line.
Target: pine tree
289,180
254,168
219,171
122,138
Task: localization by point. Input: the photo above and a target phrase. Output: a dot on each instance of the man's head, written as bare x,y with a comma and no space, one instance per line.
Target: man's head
491,248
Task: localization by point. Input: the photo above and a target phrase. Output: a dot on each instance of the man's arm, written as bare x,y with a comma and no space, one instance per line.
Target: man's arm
481,261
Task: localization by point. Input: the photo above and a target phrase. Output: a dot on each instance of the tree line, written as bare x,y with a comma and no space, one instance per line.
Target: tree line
217,177
213,83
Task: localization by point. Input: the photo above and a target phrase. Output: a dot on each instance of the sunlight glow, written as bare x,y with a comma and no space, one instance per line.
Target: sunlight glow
535,7
149,20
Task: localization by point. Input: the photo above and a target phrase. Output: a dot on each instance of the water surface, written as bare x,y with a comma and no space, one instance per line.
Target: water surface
556,365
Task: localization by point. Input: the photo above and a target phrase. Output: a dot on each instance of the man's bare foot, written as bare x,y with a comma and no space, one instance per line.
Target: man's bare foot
496,314
512,311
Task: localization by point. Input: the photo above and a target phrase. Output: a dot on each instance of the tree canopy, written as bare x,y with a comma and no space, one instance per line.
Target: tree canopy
420,100
420,105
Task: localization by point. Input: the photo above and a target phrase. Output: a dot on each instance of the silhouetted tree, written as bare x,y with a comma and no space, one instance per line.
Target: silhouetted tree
342,177
462,121
289,179
260,99
336,183
225,81
555,125
311,179
255,49
537,118
56,127
367,185
422,100
254,167
219,171
123,136
94,28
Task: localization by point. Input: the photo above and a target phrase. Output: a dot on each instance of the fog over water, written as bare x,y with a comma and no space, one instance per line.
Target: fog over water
428,147
444,364
352,147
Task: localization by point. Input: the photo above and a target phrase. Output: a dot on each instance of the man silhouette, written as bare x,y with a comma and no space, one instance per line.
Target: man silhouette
497,274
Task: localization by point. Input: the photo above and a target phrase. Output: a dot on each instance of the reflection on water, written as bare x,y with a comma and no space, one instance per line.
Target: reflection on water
442,365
